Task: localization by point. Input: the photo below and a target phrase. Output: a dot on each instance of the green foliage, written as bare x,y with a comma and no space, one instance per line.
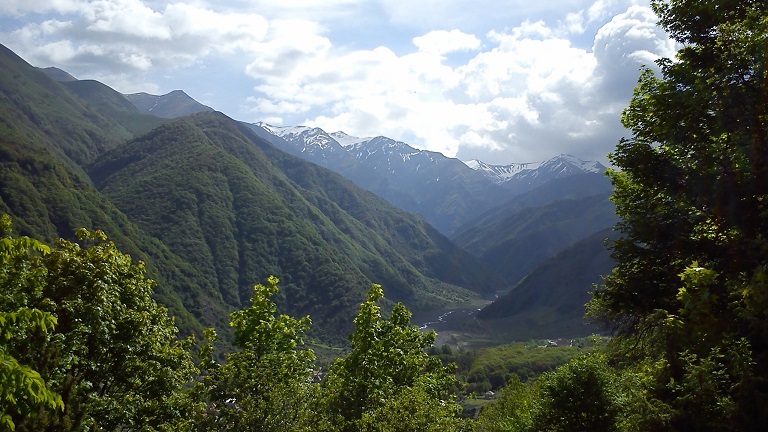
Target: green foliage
692,192
591,392
22,389
113,355
584,394
513,411
578,396
491,368
266,384
414,409
387,367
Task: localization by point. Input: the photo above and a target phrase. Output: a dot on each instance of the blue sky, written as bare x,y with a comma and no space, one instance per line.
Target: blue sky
500,81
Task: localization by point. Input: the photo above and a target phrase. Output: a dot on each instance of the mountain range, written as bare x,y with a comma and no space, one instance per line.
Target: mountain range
446,191
216,205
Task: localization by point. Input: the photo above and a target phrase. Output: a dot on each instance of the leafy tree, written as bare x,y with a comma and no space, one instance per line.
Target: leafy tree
388,369
689,286
584,394
266,384
578,396
22,389
514,410
113,357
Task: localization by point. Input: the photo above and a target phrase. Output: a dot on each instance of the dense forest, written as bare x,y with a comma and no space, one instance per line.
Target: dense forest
86,346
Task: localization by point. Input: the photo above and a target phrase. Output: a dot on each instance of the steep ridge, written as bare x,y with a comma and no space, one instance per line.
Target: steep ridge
115,106
213,209
573,187
41,110
515,238
550,301
57,74
170,105
429,251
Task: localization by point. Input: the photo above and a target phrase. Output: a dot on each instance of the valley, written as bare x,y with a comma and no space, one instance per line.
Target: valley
215,205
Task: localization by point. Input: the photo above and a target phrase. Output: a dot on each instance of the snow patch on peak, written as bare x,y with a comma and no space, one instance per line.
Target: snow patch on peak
347,140
580,165
312,138
283,131
501,173
473,163
559,166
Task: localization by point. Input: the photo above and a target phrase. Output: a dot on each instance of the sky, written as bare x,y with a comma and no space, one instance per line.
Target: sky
502,81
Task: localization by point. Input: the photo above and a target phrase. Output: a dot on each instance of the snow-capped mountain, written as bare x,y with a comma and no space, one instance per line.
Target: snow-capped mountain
382,153
346,140
501,173
312,144
443,190
313,138
446,191
522,177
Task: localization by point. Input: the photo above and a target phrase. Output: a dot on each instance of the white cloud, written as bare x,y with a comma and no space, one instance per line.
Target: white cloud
443,42
21,7
129,18
291,44
118,40
529,95
531,84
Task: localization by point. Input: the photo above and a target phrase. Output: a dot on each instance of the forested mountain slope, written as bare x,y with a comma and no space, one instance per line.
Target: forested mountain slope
551,299
519,236
46,132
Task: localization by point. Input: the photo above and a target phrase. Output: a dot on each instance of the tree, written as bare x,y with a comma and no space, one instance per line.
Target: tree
578,396
388,369
266,384
514,410
113,356
689,286
22,389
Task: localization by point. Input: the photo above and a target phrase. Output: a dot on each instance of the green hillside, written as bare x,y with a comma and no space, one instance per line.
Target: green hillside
45,130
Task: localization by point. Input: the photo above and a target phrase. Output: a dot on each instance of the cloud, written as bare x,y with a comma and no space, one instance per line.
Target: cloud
21,7
528,95
443,42
499,81
118,40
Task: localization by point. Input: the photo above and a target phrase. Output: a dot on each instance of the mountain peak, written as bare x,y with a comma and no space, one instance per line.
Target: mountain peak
566,161
311,143
174,104
347,140
527,175
57,74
